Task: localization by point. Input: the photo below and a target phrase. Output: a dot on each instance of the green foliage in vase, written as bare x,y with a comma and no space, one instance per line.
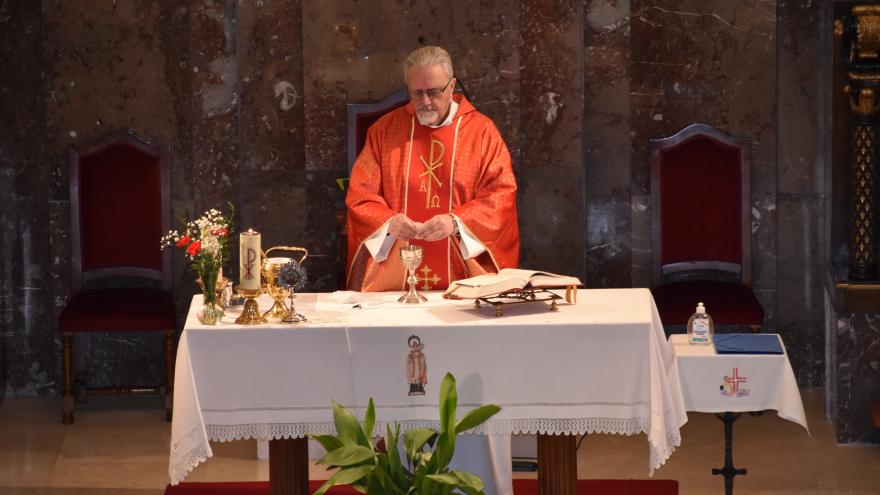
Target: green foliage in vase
380,469
206,243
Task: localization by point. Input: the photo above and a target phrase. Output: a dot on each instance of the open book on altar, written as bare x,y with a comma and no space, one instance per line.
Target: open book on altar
505,280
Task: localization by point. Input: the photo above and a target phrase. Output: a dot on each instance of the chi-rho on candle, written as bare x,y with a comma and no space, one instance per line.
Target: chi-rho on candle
249,260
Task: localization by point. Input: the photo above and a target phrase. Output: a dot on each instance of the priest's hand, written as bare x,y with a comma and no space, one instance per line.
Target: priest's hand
403,228
438,227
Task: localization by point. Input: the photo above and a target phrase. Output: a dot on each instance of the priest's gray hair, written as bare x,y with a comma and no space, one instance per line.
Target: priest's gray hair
427,56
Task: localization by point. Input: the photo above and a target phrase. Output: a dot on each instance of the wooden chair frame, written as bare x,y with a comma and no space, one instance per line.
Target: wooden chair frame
79,277
657,147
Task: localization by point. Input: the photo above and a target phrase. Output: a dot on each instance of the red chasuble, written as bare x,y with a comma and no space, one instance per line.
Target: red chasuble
463,168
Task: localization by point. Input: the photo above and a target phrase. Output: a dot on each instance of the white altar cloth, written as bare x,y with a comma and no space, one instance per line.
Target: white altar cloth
600,366
717,383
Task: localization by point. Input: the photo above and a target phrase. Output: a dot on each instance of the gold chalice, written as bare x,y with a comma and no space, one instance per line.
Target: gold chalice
270,275
269,270
411,256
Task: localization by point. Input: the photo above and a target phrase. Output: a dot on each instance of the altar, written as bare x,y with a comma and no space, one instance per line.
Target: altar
602,365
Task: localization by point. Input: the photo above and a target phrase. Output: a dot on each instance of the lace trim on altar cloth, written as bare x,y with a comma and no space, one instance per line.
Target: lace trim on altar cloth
660,449
187,463
272,431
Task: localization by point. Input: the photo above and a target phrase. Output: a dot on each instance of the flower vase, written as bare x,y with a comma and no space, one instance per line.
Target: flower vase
210,313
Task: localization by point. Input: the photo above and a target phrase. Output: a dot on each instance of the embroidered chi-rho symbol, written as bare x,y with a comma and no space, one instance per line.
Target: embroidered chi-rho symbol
732,386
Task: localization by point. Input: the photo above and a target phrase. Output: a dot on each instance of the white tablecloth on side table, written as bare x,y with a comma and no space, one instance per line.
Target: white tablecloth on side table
602,365
717,383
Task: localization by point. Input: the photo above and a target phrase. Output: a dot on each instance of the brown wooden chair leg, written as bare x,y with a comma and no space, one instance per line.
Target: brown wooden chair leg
169,374
67,372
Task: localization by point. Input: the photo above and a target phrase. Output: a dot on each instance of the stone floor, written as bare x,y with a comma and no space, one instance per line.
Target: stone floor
120,446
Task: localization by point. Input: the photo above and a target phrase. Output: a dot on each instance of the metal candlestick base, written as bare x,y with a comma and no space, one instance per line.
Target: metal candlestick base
292,316
250,314
412,297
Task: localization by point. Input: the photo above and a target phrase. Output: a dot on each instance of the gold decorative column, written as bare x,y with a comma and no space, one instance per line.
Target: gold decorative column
860,34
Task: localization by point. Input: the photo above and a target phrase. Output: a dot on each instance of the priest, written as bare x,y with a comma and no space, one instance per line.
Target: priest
434,173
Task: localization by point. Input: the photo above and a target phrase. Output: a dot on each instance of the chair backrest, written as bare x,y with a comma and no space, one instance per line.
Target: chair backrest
362,115
120,192
701,203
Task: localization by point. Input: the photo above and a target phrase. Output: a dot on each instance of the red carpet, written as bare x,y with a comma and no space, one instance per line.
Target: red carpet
520,487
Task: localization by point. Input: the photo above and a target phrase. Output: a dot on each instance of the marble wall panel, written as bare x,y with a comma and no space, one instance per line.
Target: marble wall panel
215,103
857,376
551,222
804,69
640,222
764,261
703,61
175,44
551,172
324,199
803,120
272,173
608,239
610,252
799,293
110,358
28,323
354,52
764,241
7,290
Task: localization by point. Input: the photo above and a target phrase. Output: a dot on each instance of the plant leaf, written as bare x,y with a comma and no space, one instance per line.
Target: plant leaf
348,430
445,479
414,440
470,480
398,473
329,442
448,403
384,479
345,476
476,417
445,448
348,455
443,453
370,420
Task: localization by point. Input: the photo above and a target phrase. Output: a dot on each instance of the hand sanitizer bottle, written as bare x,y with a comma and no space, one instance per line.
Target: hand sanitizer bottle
700,327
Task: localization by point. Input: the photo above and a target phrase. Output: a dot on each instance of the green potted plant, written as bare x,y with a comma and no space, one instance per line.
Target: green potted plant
380,470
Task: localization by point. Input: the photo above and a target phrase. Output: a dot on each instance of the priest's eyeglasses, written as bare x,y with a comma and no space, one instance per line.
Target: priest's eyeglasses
432,93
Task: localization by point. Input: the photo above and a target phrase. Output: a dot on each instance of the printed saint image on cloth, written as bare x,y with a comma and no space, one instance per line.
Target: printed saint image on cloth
732,386
416,366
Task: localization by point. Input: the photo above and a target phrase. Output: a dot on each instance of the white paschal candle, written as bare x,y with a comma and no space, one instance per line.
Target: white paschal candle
249,260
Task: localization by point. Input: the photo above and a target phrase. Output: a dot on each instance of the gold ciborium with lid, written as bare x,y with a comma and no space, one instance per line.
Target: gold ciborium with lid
269,270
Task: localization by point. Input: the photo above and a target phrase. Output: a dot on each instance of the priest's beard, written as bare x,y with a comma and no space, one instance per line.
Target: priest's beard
428,115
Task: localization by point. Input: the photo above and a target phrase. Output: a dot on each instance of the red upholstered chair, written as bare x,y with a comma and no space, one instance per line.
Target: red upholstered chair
701,227
120,208
360,117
